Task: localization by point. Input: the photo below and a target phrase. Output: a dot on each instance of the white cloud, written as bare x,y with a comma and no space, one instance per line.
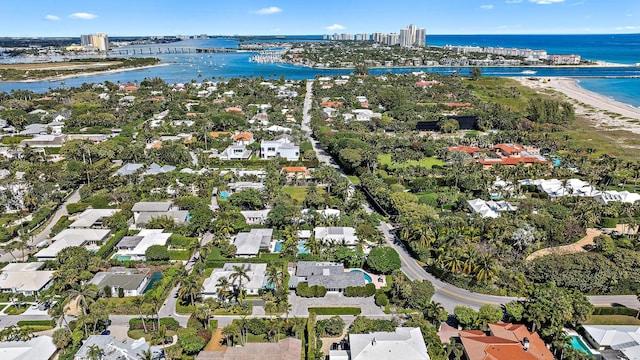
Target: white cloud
486,7
546,2
514,1
52,18
268,10
628,27
335,27
83,16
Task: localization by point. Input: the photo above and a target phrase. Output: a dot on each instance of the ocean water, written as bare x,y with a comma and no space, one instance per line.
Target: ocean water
620,83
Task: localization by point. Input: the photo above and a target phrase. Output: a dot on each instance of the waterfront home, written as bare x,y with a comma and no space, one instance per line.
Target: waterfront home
248,244
135,247
404,343
130,281
284,349
25,278
330,275
92,239
92,218
113,349
257,279
504,342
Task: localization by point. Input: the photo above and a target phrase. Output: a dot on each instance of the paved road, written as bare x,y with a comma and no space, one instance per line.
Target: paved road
44,234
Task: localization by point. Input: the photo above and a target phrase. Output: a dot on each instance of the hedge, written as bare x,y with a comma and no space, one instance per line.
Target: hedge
360,291
169,323
179,254
77,207
609,222
106,249
618,310
36,323
304,290
335,310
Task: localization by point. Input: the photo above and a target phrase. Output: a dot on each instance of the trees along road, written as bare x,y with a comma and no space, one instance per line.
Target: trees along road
448,295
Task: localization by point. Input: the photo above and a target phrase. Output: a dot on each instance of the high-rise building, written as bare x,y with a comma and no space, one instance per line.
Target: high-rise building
95,41
421,37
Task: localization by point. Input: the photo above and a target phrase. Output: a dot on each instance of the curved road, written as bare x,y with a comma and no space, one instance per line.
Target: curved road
448,295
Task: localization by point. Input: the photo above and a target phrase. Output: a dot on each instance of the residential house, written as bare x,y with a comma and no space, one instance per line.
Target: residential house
365,114
504,342
284,349
605,197
243,138
25,278
53,128
89,238
42,141
135,247
117,350
503,154
128,169
249,244
92,218
255,217
330,275
187,123
405,343
143,212
278,129
256,273
489,209
281,147
336,235
244,185
325,213
235,152
296,174
39,347
155,169
615,341
130,281
557,188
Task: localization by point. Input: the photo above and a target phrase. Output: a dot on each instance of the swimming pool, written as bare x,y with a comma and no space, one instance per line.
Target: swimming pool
301,247
367,278
578,344
224,195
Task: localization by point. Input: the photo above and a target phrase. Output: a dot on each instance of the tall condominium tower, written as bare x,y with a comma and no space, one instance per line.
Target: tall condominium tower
97,41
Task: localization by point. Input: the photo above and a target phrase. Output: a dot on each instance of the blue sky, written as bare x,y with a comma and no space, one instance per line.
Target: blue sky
172,17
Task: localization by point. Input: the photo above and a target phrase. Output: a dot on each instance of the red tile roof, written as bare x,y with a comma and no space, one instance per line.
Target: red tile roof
509,148
243,136
468,149
331,104
504,343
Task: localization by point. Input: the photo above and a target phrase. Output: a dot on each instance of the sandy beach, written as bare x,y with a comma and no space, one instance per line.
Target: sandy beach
70,76
604,113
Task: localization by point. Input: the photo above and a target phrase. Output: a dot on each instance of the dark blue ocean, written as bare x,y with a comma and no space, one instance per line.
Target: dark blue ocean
620,83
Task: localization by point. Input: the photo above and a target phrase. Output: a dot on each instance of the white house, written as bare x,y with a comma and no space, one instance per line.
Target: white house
256,273
559,188
489,209
89,238
134,247
336,235
25,278
235,152
608,196
39,347
405,343
117,350
624,338
143,212
92,218
281,147
255,217
249,244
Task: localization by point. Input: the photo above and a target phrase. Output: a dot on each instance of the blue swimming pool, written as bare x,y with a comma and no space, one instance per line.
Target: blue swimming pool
224,195
301,247
155,277
367,278
578,344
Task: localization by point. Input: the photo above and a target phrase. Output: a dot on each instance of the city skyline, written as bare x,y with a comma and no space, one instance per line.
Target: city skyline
40,18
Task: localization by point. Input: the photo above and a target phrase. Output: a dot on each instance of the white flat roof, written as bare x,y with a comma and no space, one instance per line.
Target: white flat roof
90,216
150,237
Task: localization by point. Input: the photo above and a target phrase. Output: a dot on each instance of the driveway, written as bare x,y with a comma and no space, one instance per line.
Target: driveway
300,306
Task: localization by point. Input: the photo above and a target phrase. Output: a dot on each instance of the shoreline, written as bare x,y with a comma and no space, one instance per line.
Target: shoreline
93,73
600,109
599,64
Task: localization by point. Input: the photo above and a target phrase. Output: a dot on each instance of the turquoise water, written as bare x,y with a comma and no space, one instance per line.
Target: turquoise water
155,277
183,67
301,247
578,344
224,195
123,257
367,278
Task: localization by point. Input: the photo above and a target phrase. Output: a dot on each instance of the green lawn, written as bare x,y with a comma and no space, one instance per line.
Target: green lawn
612,320
298,193
335,310
354,179
428,163
12,310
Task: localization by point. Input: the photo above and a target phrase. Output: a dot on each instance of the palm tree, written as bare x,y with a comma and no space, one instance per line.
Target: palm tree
84,294
190,289
470,254
138,302
222,289
239,274
147,355
95,352
436,312
275,277
453,261
486,268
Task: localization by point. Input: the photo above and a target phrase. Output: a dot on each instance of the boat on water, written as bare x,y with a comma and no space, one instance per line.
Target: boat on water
528,72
